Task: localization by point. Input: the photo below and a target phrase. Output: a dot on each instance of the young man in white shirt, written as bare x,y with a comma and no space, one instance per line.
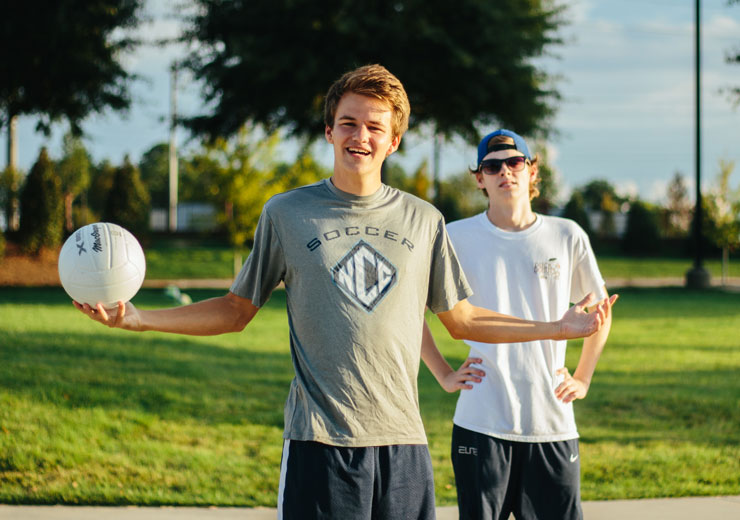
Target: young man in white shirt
514,441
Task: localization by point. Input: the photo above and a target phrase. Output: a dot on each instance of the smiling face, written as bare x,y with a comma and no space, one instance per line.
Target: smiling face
507,186
362,138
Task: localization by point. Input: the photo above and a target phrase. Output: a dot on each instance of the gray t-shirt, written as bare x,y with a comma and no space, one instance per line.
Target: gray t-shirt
358,273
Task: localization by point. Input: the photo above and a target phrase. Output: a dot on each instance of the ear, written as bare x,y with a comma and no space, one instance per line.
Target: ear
533,171
394,145
328,134
478,179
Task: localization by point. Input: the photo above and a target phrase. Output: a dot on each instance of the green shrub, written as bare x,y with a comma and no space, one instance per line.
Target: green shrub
42,207
643,230
127,203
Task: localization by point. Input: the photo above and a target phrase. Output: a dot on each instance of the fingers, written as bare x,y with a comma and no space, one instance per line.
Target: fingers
470,361
121,312
462,378
100,314
102,311
465,368
570,389
588,300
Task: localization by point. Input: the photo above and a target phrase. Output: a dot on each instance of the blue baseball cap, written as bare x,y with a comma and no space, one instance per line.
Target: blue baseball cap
519,144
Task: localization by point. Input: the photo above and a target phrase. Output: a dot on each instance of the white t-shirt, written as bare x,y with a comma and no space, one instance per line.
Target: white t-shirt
533,274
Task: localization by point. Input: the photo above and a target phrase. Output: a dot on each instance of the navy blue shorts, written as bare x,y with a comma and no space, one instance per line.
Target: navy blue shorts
318,481
532,480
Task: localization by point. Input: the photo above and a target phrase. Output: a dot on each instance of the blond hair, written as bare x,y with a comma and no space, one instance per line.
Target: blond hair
372,81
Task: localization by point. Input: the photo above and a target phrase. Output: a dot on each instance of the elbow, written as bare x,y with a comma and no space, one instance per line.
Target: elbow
456,331
239,323
240,313
457,321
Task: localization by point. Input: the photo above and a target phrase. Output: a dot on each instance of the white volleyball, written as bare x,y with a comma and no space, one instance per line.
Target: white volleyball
101,262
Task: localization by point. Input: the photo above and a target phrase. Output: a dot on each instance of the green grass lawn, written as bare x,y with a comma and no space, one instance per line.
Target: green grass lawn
90,415
658,267
166,263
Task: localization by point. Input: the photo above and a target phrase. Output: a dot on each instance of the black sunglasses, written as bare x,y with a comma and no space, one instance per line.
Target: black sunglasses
493,166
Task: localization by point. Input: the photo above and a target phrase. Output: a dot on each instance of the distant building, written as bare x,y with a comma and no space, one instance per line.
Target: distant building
191,216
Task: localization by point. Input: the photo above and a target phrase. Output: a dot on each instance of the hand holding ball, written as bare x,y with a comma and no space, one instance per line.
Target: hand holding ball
101,262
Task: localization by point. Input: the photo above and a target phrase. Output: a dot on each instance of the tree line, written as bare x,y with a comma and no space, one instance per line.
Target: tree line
237,176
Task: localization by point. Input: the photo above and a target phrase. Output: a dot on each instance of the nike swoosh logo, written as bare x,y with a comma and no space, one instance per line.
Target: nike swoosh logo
573,458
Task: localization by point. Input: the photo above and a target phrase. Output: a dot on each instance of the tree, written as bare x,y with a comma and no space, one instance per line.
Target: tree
678,208
10,187
74,171
722,207
42,210
545,201
642,235
600,196
459,197
575,209
102,176
60,60
238,176
74,68
463,63
155,173
127,203
304,170
596,191
417,184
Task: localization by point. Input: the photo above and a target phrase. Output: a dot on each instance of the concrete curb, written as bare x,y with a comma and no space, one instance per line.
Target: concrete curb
684,508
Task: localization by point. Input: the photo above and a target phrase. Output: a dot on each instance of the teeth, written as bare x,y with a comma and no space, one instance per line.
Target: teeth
357,150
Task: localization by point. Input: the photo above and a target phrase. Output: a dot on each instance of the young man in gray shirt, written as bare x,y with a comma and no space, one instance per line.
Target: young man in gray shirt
360,261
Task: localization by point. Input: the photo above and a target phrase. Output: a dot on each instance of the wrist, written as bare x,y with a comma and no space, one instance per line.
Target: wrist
559,333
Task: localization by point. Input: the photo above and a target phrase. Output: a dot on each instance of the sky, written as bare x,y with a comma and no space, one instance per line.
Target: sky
627,113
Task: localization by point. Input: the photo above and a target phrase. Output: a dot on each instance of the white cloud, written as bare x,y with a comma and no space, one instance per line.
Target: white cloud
627,188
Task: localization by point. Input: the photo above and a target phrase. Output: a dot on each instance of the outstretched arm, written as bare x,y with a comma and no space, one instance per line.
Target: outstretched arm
229,313
576,386
465,321
450,380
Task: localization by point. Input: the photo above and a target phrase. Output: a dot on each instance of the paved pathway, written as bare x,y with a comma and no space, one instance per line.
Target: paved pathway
693,508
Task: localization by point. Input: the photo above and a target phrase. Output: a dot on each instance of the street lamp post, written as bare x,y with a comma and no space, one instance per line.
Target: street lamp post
173,173
698,276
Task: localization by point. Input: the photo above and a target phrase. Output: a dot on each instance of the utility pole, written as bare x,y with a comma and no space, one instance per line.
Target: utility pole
173,149
436,166
698,277
12,212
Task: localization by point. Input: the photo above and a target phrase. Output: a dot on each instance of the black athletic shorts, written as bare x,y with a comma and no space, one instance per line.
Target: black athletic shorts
318,481
532,480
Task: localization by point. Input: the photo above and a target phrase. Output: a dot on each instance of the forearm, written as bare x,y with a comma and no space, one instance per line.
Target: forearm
433,358
477,324
593,346
209,317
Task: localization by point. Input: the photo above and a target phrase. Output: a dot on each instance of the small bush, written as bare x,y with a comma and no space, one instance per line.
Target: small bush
42,207
642,235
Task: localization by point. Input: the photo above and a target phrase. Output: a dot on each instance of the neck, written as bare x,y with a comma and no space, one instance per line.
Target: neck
514,217
360,185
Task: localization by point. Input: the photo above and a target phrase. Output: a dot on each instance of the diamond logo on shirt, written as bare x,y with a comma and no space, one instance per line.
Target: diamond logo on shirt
364,275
